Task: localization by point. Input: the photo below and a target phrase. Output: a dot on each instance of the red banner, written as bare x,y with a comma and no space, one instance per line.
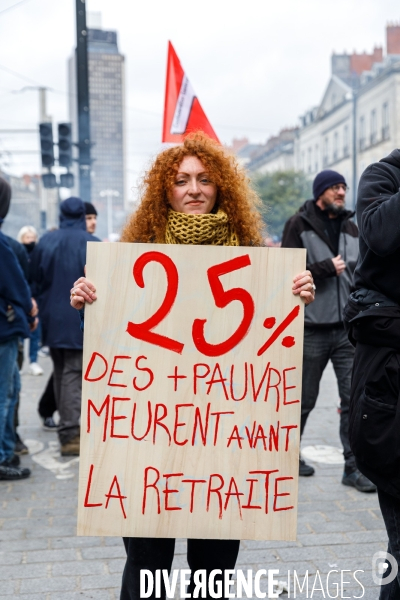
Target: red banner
182,110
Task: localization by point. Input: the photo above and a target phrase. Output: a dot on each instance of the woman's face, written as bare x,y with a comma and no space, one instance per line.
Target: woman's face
28,238
193,192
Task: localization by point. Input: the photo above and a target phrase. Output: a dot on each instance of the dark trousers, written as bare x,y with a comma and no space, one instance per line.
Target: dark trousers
320,346
47,403
68,390
390,507
158,553
20,362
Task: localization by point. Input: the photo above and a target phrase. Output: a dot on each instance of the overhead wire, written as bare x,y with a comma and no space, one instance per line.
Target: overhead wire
13,6
132,108
23,77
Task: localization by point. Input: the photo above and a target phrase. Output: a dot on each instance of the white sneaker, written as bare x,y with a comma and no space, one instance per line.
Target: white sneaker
44,352
35,369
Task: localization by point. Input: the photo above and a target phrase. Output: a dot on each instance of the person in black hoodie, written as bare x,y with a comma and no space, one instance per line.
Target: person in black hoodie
58,259
17,317
323,226
372,316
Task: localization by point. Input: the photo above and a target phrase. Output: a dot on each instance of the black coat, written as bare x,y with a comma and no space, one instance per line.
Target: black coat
15,296
378,217
57,261
372,317
373,323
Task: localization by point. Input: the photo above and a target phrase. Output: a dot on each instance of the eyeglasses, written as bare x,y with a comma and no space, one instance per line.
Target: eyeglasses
339,186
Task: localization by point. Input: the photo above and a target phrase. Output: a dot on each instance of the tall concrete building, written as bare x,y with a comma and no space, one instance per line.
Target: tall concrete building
107,124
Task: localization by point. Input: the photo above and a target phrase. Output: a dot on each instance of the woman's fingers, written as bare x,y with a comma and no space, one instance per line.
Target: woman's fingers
86,283
302,279
85,289
303,284
302,275
77,302
82,292
308,297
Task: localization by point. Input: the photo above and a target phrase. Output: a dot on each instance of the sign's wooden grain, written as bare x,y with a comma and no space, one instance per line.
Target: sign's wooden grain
191,392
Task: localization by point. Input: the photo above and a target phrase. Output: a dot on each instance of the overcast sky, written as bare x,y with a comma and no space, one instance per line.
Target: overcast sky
255,65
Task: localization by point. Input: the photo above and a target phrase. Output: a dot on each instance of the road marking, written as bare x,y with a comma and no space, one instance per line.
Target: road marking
329,455
48,458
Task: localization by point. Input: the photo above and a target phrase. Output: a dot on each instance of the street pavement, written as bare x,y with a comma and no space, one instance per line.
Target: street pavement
41,558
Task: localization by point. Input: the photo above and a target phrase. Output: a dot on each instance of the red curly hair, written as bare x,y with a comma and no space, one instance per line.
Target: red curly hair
235,196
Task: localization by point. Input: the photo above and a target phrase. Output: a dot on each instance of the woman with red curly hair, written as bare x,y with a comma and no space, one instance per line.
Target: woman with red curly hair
194,193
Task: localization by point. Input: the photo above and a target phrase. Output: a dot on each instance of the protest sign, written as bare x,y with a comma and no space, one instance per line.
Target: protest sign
191,392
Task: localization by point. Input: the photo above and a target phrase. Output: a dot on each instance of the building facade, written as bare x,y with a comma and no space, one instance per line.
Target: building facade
276,155
107,127
356,123
358,119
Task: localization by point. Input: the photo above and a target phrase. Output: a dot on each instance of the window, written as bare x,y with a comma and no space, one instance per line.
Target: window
385,121
325,158
346,146
373,135
335,146
310,160
316,157
362,134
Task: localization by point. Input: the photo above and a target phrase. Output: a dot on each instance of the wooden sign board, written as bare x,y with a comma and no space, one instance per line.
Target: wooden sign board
191,392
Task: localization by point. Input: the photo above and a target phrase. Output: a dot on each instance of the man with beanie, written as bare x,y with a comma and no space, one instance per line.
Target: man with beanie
17,318
91,217
323,226
57,261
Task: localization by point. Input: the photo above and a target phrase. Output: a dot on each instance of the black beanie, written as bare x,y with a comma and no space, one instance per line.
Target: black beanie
325,180
5,198
90,209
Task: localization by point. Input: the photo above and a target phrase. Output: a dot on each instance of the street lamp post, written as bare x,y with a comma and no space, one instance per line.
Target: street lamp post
109,194
354,153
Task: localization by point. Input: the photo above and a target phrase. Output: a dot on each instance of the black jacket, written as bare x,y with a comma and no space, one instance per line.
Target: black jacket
306,230
378,216
373,324
57,261
372,317
15,296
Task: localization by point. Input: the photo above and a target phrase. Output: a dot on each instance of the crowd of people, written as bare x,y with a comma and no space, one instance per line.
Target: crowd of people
196,193
34,272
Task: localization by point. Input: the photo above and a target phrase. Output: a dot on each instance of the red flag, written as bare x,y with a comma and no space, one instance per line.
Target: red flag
182,110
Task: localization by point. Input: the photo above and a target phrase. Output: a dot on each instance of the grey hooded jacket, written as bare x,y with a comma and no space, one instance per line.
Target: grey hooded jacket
306,230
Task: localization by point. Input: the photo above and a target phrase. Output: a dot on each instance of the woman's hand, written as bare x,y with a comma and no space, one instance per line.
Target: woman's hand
83,291
303,284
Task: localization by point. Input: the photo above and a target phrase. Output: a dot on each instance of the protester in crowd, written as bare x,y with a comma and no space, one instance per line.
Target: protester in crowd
193,194
373,320
324,227
28,237
47,403
20,253
17,317
58,259
91,218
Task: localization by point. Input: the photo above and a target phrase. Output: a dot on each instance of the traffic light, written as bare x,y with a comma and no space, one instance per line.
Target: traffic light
64,145
46,144
49,180
67,180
